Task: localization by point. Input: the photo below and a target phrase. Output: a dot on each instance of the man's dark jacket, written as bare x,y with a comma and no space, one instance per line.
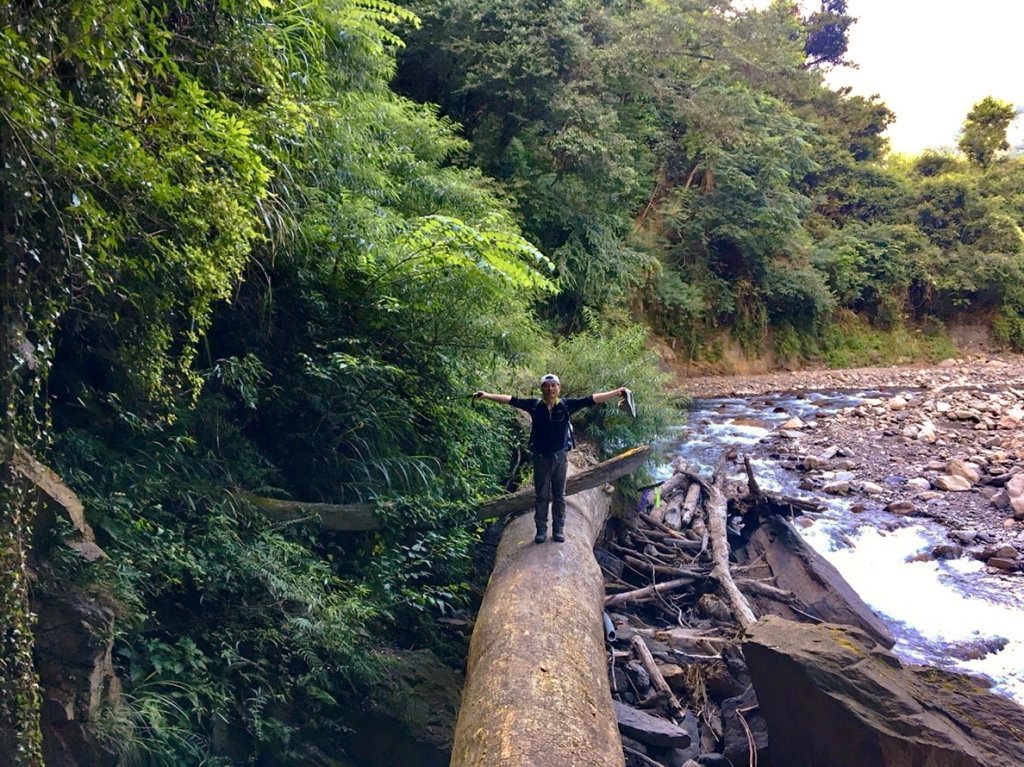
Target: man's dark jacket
550,431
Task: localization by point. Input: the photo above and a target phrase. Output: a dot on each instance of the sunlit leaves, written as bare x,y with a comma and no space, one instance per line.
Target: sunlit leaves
442,241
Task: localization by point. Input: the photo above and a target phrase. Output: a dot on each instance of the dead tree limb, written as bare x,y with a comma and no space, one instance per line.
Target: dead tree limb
649,591
716,511
657,680
355,517
752,486
689,505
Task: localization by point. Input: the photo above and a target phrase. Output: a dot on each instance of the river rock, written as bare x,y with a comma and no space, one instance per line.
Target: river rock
794,423
674,675
927,433
966,537
919,483
901,507
1003,551
836,488
961,468
410,716
742,723
871,488
1000,563
1015,486
812,462
78,677
829,453
648,729
951,483
831,696
947,551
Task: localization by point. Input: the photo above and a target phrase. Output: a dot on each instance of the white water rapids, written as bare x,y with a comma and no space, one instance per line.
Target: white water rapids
953,614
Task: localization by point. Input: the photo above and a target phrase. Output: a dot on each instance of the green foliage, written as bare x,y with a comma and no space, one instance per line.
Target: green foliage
675,306
827,31
604,358
234,257
524,81
852,342
984,131
1008,329
382,281
223,612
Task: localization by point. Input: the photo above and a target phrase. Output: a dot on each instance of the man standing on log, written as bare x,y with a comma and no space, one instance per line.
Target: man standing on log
550,437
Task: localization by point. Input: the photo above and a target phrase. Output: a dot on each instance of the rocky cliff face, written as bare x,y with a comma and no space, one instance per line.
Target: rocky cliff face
74,638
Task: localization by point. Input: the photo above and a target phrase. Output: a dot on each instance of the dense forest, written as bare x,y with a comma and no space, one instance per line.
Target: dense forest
271,246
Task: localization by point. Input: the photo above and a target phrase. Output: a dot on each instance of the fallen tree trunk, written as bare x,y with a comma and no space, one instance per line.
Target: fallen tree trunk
356,517
536,689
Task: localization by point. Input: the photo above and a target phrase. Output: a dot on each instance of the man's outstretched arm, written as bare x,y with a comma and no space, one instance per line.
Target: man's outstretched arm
604,396
502,399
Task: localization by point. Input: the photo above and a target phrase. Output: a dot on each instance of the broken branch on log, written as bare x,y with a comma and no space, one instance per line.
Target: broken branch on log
356,517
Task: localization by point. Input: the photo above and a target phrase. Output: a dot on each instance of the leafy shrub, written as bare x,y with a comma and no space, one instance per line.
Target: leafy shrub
600,359
851,341
1008,329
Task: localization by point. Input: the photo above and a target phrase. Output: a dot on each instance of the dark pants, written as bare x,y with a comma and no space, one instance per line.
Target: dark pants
549,472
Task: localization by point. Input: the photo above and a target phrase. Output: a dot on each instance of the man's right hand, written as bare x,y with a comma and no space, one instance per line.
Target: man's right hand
478,395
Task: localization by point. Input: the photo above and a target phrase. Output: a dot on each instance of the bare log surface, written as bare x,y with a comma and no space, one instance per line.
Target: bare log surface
690,504
356,517
604,472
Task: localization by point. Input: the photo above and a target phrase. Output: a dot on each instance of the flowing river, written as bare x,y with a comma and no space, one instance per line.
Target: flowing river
948,613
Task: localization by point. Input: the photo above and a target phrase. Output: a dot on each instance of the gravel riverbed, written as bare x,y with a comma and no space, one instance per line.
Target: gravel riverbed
943,441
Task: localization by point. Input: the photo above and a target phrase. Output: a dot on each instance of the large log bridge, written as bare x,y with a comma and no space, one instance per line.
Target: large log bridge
356,517
536,689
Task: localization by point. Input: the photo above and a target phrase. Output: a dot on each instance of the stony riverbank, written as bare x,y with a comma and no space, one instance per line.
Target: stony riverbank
946,442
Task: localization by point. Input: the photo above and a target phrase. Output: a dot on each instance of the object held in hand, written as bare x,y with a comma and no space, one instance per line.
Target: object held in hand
626,404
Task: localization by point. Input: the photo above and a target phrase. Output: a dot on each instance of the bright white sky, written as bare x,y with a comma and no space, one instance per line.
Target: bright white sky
932,60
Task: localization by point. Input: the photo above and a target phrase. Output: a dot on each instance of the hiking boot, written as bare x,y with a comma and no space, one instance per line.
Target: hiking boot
540,537
557,535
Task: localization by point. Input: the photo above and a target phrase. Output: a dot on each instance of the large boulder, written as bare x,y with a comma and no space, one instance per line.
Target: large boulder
74,642
831,695
776,551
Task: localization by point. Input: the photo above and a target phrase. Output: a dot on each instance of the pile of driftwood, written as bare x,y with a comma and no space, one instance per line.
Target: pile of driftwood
674,606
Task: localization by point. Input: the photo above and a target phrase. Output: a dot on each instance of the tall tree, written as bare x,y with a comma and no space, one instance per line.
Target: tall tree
828,34
984,131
